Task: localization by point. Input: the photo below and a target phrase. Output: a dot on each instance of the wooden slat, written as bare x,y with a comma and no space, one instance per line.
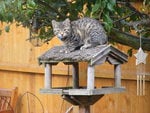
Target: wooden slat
5,92
7,111
16,53
21,68
8,98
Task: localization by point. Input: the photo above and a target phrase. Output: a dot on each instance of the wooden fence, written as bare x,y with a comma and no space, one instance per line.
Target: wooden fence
19,67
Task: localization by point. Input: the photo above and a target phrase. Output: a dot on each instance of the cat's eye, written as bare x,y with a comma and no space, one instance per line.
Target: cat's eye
65,29
57,31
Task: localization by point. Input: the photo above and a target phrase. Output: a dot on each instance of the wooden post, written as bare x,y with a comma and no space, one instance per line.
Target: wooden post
84,109
117,75
75,75
48,76
90,77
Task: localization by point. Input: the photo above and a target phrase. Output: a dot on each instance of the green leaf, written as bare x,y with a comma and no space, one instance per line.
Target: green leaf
107,26
113,2
96,7
31,3
110,7
104,3
10,17
107,18
130,52
19,5
29,13
107,21
3,6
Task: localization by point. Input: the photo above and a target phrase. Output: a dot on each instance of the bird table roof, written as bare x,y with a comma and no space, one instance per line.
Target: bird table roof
94,56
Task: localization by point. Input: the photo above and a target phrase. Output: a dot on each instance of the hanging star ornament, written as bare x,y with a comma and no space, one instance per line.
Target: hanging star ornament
140,56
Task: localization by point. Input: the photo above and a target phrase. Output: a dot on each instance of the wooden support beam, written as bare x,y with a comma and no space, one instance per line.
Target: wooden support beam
75,75
48,76
90,77
84,109
117,75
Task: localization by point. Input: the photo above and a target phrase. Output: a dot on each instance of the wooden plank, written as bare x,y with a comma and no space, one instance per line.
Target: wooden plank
7,111
90,77
117,75
51,91
94,54
100,56
75,75
83,92
95,91
84,109
126,101
48,76
54,55
60,69
21,68
8,98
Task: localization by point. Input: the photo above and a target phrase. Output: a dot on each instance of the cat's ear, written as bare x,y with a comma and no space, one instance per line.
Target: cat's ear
67,20
53,23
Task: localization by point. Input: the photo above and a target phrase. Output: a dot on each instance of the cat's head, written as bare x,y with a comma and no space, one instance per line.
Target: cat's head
62,29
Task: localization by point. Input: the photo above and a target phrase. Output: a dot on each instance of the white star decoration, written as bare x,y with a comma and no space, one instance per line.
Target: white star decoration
140,56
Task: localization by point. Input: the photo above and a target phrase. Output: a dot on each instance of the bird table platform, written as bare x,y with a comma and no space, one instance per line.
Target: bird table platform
93,56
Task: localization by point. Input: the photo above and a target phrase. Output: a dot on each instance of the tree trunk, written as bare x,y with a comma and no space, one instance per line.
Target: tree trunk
129,40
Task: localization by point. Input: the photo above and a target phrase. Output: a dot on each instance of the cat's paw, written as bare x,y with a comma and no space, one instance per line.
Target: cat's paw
83,47
86,46
67,51
61,51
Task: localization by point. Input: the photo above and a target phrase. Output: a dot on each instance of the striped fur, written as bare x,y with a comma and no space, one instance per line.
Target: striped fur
82,33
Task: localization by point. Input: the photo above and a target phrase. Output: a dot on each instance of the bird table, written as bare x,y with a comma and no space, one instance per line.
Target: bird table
76,95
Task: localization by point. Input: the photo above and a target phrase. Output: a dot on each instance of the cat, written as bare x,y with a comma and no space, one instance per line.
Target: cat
80,34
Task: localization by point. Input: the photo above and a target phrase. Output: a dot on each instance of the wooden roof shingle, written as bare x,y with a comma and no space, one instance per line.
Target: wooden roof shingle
94,56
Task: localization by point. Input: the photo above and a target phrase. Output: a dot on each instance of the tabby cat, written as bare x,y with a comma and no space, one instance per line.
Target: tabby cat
82,33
